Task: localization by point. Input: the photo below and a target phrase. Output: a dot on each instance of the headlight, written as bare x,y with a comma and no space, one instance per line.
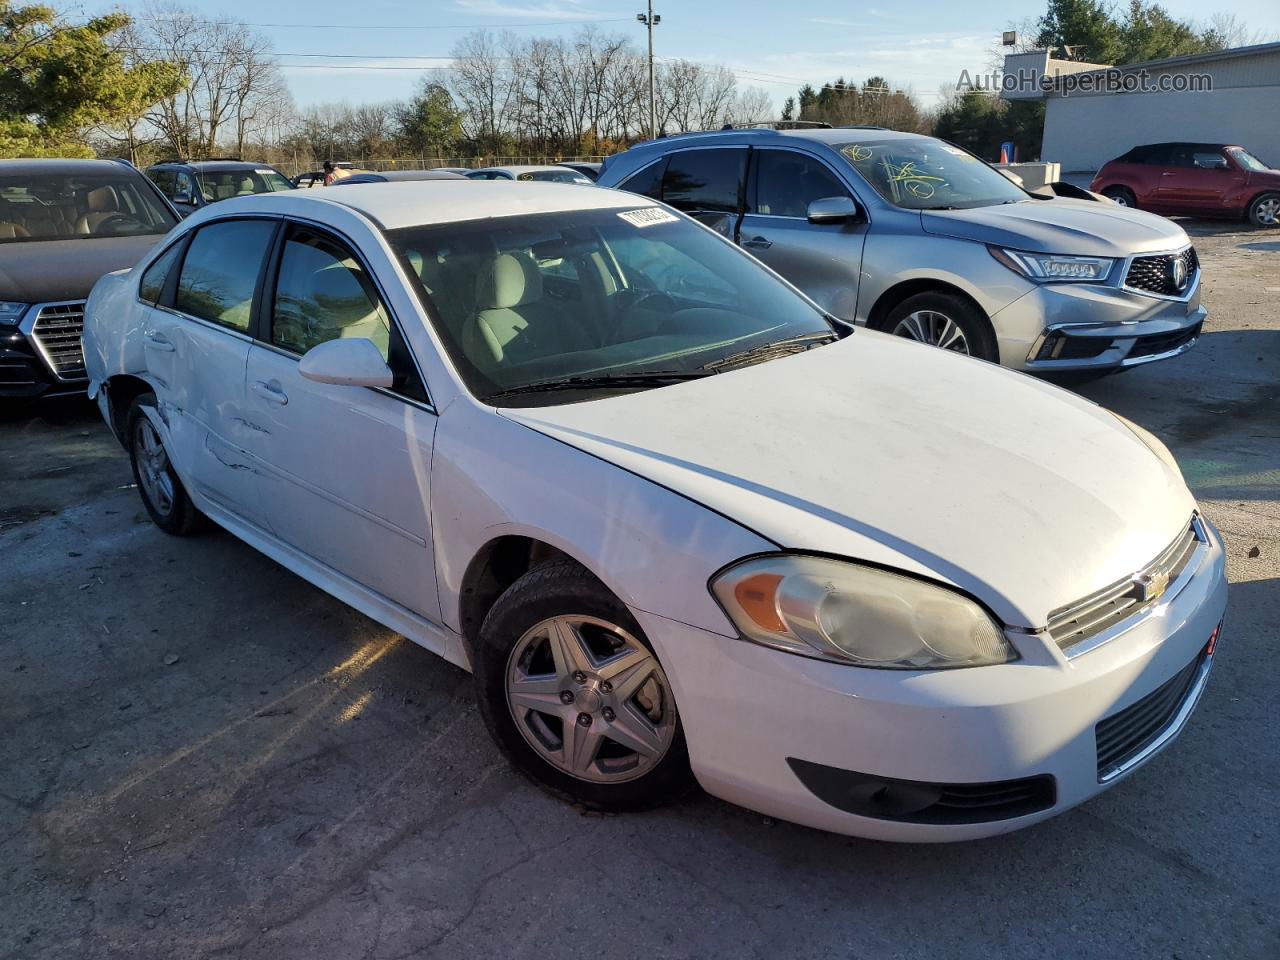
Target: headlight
1153,443
843,611
11,312
1051,267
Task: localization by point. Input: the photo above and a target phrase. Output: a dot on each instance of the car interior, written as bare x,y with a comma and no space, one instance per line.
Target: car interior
55,208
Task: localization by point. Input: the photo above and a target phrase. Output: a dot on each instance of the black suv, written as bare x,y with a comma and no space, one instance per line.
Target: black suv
63,224
190,185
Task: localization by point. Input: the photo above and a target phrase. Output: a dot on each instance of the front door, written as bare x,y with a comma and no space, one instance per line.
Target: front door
344,471
823,260
196,343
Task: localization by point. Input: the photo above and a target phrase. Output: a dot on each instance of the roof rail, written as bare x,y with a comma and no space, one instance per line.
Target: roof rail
779,125
861,126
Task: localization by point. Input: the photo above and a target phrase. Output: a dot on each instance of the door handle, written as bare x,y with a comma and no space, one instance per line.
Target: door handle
271,392
156,342
758,243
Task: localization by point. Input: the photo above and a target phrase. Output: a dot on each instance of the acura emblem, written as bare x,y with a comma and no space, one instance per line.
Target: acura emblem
1178,274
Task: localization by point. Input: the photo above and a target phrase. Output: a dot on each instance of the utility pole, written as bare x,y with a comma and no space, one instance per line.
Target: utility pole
651,20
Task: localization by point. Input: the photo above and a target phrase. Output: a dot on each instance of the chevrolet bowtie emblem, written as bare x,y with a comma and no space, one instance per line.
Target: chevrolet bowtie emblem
1152,587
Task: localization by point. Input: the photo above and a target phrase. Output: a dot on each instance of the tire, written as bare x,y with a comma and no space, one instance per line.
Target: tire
162,492
1264,211
1121,195
944,320
516,656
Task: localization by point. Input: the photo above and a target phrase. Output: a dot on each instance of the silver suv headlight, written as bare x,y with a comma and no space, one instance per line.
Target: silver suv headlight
844,611
1054,267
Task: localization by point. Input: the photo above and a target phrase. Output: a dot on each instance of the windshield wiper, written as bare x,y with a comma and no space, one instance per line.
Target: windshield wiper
649,378
768,351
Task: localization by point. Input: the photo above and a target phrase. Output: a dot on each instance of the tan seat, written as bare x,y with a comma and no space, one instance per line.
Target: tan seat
508,300
10,231
103,204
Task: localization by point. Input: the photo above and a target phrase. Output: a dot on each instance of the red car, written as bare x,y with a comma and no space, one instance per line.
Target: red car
1193,179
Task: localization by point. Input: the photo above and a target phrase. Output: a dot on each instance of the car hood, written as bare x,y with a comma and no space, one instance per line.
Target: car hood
1019,493
1084,227
45,271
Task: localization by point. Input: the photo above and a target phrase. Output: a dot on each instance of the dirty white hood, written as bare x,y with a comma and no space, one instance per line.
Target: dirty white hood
881,450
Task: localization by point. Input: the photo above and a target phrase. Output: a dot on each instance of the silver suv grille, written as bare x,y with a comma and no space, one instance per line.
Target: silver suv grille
1155,274
56,333
1071,626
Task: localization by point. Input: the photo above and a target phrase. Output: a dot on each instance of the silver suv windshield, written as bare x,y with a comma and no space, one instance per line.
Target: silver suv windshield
928,174
555,307
66,207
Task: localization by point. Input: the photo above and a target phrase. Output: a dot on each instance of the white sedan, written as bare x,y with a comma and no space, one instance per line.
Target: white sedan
678,523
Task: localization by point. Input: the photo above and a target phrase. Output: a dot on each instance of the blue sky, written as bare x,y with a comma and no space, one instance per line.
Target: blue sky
777,47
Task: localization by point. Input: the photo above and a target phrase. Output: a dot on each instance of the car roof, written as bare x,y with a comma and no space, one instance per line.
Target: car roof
216,164
63,167
525,168
427,202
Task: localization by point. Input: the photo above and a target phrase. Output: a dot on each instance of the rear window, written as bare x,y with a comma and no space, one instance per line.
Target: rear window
223,184
220,271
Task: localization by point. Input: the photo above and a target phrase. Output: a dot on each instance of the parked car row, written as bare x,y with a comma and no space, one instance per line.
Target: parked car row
681,521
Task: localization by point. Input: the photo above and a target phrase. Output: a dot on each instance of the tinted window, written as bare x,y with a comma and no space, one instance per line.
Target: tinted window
648,182
221,269
698,180
163,179
152,283
787,182
323,293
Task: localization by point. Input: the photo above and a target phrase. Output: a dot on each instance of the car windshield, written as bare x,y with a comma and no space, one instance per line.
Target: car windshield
1248,160
65,207
222,184
611,295
555,176
927,174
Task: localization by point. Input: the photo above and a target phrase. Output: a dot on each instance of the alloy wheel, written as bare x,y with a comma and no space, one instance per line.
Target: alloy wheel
590,698
933,328
1268,212
153,467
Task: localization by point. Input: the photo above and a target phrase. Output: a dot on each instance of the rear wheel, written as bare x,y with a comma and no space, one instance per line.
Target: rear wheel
1265,210
943,320
1121,195
162,492
574,695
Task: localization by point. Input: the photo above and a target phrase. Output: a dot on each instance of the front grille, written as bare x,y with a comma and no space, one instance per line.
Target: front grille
1154,274
1158,343
57,331
1072,625
1124,735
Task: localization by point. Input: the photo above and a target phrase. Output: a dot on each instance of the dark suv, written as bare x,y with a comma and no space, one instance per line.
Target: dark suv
190,185
63,224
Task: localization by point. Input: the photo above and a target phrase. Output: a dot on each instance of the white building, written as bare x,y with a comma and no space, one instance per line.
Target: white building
1094,112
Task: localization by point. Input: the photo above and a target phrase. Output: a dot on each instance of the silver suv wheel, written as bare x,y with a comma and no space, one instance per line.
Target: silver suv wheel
934,328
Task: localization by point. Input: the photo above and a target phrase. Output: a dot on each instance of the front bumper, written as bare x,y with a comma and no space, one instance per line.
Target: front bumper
750,713
1067,327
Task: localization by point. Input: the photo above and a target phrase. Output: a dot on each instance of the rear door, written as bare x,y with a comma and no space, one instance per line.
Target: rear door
196,343
823,260
343,473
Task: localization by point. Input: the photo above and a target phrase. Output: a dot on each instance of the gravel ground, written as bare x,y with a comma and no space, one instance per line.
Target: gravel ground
202,755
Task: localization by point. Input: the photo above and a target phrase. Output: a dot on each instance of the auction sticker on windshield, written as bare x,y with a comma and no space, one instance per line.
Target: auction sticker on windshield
647,216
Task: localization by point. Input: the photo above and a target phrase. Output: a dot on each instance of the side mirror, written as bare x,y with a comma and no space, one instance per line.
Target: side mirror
832,210
183,197
352,363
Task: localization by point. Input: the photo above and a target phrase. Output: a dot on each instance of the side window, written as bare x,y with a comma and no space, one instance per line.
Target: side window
787,182
164,180
151,286
184,186
220,271
1209,160
323,293
648,182
705,180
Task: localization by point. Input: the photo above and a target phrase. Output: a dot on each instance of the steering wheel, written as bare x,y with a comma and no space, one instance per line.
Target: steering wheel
109,224
655,301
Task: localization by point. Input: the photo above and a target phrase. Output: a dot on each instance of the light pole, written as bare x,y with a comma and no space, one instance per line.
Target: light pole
651,20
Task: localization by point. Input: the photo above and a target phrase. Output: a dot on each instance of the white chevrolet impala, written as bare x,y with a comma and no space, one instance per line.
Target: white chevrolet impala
679,524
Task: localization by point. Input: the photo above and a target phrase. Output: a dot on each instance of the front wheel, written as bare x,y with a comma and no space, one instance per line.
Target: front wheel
162,492
944,320
1265,210
574,695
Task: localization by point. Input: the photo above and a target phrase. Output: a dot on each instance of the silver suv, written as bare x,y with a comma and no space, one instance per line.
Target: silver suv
915,236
